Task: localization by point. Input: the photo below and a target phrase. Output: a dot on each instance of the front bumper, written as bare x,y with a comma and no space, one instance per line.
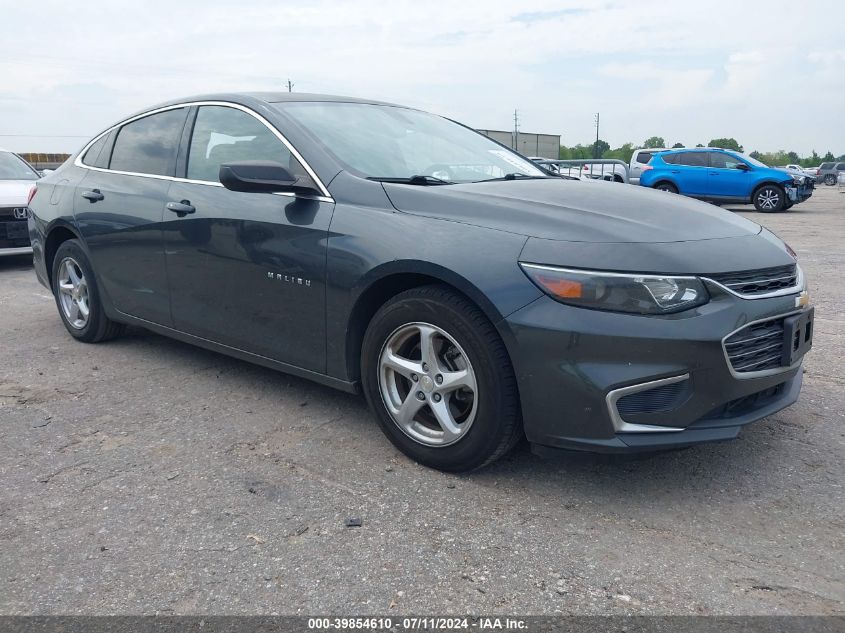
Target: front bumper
574,364
800,193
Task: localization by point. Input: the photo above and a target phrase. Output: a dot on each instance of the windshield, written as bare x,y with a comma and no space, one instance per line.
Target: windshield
753,161
13,167
390,142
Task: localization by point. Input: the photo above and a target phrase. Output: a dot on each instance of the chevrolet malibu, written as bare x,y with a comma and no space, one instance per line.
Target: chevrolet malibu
473,298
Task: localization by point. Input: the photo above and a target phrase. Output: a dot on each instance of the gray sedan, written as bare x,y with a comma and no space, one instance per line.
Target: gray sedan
474,299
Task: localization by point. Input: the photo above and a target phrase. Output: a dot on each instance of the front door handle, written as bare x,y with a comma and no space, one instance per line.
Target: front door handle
93,196
182,208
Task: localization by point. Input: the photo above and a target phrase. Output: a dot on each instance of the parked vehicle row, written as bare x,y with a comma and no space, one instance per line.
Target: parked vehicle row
474,298
829,173
723,176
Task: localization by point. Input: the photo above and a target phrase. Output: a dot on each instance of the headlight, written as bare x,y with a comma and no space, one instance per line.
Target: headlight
800,180
640,294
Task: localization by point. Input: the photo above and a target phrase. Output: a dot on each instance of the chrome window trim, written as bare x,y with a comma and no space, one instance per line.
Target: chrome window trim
797,288
326,197
763,372
619,425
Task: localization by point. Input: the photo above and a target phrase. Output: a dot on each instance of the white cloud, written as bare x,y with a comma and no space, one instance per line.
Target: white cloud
686,71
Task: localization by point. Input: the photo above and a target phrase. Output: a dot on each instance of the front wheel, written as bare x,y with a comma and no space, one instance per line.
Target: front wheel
769,199
439,379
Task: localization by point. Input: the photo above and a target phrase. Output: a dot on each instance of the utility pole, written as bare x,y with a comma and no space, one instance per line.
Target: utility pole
596,146
516,130
290,86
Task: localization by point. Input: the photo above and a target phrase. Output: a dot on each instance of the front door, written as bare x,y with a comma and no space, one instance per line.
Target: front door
726,179
246,269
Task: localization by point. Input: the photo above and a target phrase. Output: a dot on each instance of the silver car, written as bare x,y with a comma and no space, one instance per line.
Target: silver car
17,180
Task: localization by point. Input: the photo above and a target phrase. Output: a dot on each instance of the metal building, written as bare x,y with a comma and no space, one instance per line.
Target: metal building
543,145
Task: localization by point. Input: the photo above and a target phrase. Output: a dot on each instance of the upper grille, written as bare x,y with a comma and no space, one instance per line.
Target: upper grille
756,347
761,281
656,400
8,213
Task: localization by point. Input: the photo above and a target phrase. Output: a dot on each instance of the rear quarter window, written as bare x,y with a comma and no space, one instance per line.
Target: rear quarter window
826,166
95,156
841,167
671,159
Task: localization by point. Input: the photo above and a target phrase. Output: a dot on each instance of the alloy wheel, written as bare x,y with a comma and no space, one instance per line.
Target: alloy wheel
73,293
428,384
768,198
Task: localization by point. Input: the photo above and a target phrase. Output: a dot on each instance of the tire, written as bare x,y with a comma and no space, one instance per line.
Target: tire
666,186
769,198
75,290
829,180
483,416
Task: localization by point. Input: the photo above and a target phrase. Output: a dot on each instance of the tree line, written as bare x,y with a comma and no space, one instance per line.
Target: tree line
602,149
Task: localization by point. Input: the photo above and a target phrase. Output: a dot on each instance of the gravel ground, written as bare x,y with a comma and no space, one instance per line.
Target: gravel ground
148,476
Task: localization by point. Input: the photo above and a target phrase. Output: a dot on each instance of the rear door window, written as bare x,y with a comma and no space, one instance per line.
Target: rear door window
148,145
693,159
224,135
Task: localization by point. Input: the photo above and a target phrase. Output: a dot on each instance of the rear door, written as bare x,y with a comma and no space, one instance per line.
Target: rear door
119,206
726,180
690,173
246,269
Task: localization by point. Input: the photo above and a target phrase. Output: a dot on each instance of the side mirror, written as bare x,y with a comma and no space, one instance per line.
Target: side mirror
261,176
742,167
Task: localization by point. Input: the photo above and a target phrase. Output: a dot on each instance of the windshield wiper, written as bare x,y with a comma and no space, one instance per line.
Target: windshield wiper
514,176
413,180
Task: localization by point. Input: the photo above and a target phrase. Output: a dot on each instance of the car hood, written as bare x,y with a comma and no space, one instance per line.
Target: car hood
573,211
14,192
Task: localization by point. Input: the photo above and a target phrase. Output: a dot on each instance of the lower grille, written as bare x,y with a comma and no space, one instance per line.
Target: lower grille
756,282
756,347
657,400
14,234
746,404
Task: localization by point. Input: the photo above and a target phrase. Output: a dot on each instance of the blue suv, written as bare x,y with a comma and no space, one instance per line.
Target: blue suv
723,176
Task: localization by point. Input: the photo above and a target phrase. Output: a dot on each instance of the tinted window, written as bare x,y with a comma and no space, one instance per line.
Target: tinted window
92,157
672,159
224,135
718,160
693,159
826,166
644,157
840,166
148,145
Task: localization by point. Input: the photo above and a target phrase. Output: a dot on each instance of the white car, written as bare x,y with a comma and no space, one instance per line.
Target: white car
804,171
17,180
640,159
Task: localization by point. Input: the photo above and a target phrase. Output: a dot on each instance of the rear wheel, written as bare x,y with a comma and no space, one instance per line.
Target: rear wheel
830,179
439,380
78,297
769,198
666,186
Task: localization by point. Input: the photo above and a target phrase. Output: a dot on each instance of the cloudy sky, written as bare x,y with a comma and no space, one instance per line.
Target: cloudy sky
769,73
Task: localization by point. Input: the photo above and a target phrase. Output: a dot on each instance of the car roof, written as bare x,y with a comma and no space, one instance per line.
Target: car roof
268,97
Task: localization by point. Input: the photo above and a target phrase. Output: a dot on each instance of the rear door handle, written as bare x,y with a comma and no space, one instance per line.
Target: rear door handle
93,196
182,208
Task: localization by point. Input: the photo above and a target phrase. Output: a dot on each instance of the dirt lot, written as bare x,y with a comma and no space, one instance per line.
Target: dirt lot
145,476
